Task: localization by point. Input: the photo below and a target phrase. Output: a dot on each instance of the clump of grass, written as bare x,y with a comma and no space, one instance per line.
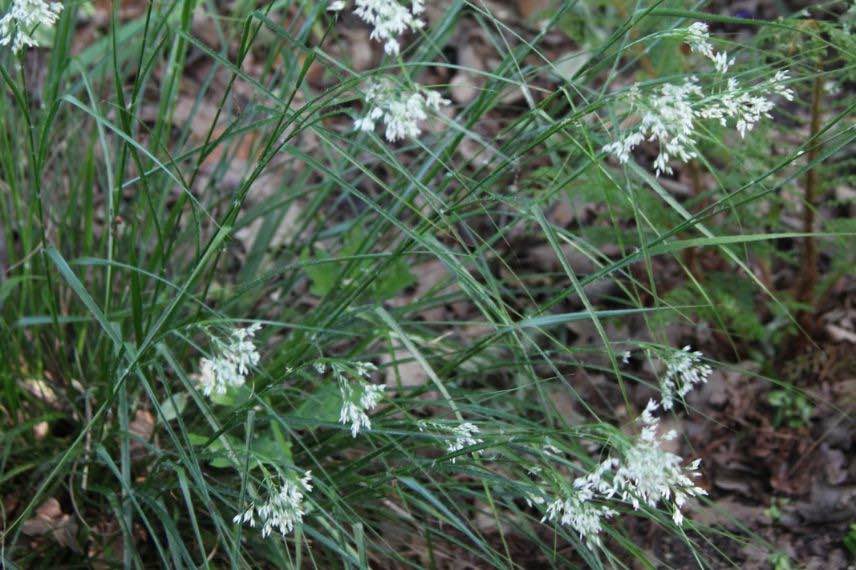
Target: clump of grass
223,305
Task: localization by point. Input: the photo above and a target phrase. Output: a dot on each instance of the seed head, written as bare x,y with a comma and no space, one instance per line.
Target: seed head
465,436
401,111
23,17
231,363
283,508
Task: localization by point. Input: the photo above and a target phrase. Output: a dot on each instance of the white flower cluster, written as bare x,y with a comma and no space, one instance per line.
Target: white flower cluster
354,410
670,114
401,111
465,436
389,20
355,403
231,364
670,119
684,369
698,39
23,18
648,474
644,474
747,107
283,509
579,510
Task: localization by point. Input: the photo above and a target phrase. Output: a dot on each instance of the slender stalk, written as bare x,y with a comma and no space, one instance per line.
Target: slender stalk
808,262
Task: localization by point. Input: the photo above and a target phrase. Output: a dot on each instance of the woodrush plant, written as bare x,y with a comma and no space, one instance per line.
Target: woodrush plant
207,258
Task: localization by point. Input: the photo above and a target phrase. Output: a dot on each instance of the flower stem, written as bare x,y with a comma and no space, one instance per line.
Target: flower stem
808,263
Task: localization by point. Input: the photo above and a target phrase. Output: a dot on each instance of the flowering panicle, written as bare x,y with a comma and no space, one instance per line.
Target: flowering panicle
698,39
582,515
669,115
669,118
648,474
401,111
23,17
356,403
747,106
354,410
579,509
390,19
684,369
642,474
231,364
283,508
465,436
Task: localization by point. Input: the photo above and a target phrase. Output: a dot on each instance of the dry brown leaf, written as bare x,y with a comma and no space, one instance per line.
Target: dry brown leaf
142,427
729,512
566,405
41,390
49,519
201,114
402,368
203,28
839,334
465,85
40,430
428,275
359,48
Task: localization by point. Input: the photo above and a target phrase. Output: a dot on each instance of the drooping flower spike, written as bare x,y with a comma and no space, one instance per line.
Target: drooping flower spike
22,19
464,436
648,474
684,369
231,363
359,396
698,38
670,114
584,508
389,19
282,510
355,409
644,473
401,111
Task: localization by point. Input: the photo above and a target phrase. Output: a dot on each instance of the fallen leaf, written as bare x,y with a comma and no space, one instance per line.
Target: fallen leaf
839,334
142,427
41,390
50,519
403,370
40,430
